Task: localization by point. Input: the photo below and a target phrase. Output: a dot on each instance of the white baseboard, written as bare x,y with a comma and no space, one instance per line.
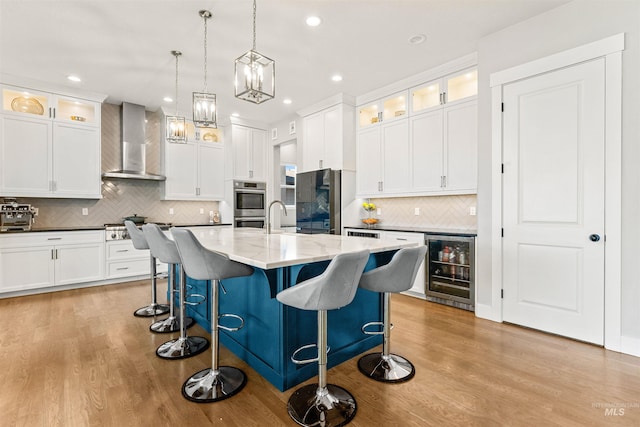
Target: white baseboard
484,311
630,345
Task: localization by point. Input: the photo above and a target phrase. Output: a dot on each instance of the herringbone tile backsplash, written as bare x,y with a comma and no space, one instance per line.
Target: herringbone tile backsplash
122,198
446,212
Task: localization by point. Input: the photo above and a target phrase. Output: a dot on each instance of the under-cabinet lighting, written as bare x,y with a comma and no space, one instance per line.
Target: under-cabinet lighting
74,78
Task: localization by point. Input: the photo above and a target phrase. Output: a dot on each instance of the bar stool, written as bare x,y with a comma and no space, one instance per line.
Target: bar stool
218,382
140,243
166,251
396,276
324,404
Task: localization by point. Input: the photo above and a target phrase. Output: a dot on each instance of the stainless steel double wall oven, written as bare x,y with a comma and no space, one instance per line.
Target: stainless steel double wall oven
249,204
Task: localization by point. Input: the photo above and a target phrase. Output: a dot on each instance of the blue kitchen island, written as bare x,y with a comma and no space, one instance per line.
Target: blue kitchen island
272,331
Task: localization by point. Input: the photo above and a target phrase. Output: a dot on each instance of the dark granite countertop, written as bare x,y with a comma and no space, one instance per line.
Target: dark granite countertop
94,227
424,230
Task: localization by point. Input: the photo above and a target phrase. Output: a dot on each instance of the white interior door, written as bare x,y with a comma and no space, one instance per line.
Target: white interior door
553,202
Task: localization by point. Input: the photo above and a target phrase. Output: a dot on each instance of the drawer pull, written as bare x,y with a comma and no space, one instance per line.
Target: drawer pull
122,250
122,268
400,238
54,238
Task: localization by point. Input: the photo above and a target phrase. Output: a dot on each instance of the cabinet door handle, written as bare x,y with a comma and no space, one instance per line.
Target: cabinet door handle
381,185
444,97
250,174
197,191
320,163
50,115
54,113
444,181
52,255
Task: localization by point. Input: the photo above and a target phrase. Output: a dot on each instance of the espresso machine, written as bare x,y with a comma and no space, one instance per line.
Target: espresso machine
16,216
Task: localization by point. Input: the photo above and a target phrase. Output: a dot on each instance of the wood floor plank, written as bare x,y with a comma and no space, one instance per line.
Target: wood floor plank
80,358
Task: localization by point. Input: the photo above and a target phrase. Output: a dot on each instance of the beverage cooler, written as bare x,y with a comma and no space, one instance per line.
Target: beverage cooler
451,270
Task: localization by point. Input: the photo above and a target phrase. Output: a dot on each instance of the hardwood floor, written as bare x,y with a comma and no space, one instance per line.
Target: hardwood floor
80,358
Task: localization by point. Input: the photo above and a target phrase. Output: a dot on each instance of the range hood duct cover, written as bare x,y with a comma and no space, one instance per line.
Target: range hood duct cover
132,146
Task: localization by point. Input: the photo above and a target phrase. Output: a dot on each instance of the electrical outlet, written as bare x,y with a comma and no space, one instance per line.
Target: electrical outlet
416,211
472,211
379,211
170,211
85,211
201,211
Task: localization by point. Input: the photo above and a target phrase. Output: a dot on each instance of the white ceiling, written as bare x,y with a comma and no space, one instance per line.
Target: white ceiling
122,48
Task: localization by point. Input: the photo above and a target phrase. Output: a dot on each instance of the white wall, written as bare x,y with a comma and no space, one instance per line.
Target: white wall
566,27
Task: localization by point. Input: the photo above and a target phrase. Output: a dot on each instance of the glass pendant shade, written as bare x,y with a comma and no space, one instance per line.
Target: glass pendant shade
255,77
176,130
204,110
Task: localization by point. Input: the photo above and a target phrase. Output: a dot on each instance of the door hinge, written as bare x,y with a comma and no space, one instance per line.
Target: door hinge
502,107
501,293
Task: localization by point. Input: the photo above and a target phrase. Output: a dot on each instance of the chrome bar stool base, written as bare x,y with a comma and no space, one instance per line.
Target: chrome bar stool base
389,368
181,348
314,406
170,324
207,387
152,310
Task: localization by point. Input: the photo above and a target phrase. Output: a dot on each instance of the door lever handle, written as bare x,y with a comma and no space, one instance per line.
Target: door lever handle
594,237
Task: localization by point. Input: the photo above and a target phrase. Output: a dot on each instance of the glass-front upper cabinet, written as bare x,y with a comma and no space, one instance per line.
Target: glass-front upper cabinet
24,101
450,89
386,109
48,106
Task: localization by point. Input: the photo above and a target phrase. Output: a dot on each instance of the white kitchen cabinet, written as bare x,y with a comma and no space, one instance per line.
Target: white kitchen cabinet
384,110
49,145
327,140
249,153
444,150
449,90
382,158
194,170
40,259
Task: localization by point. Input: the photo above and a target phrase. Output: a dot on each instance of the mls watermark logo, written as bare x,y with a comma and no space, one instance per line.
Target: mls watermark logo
615,409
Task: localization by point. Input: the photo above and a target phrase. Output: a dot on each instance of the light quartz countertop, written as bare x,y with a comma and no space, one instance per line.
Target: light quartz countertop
256,248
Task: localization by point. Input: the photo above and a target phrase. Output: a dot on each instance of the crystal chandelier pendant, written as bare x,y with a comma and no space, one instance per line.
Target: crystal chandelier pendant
175,130
255,74
255,77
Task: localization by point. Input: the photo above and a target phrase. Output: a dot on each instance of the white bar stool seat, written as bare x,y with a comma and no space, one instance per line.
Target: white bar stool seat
324,404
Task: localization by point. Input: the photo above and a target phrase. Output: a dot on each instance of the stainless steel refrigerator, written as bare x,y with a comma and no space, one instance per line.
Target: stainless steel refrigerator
318,202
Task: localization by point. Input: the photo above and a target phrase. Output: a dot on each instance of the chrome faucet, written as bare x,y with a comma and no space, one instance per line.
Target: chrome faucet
269,211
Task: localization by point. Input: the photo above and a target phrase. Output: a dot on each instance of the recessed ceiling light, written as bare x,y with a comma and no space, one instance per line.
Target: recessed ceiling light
313,21
235,114
74,78
336,78
286,101
417,39
167,99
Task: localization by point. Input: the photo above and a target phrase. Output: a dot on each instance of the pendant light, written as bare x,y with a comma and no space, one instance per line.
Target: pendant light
205,113
255,74
175,126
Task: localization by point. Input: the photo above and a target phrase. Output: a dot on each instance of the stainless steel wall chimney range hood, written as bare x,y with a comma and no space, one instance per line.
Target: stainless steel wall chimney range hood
132,146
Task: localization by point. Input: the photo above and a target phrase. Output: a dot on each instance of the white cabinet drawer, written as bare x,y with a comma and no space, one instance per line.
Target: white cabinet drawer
37,238
126,268
124,250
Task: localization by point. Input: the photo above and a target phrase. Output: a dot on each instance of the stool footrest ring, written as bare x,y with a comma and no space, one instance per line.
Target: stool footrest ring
227,328
200,299
372,324
305,361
